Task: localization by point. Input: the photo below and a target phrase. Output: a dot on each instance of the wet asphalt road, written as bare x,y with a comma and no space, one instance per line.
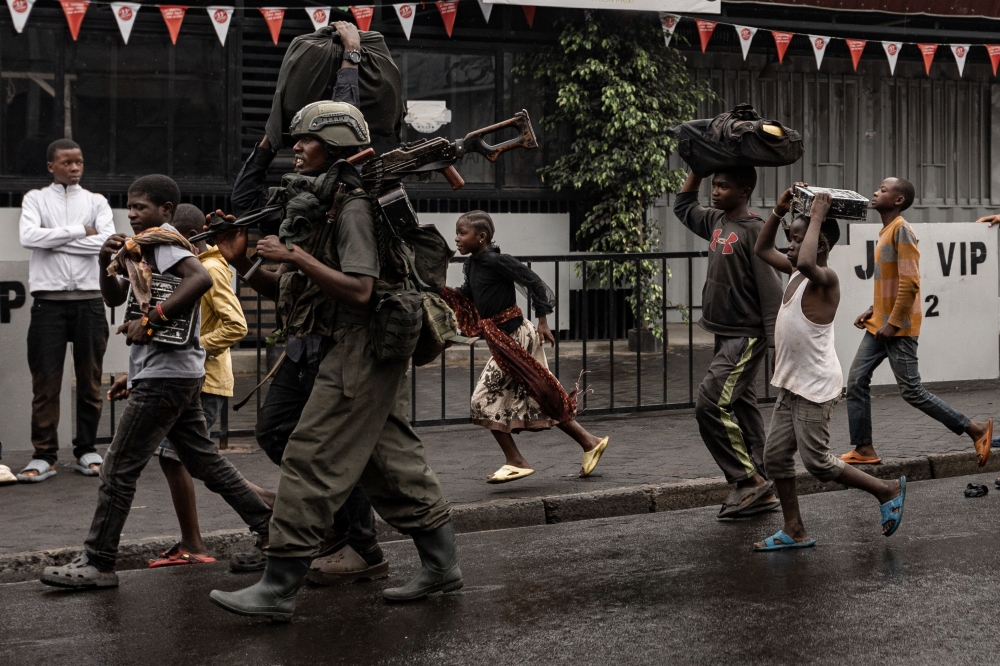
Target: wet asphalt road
664,588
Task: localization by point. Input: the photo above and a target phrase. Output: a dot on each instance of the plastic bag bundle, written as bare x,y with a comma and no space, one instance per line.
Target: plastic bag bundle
309,71
737,138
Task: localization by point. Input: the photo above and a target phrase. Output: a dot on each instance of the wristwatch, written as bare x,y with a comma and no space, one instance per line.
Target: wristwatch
352,56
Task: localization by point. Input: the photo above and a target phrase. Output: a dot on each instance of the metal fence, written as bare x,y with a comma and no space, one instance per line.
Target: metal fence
591,323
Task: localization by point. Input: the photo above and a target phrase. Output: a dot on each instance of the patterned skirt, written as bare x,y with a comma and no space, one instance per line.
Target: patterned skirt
499,403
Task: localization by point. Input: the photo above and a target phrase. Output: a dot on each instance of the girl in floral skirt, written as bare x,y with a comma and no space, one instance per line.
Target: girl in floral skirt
516,391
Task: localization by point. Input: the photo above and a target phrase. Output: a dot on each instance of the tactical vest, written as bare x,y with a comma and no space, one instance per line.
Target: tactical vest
302,308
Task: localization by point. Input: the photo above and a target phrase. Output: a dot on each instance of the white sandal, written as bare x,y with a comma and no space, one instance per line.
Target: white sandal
44,470
6,476
86,460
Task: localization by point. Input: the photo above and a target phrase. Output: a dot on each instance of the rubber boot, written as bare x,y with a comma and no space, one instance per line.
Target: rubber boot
439,570
273,596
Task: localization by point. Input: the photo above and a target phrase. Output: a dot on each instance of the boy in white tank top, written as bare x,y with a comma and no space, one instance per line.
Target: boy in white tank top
807,373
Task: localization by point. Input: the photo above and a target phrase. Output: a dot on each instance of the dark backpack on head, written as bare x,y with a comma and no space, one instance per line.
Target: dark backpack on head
309,71
737,138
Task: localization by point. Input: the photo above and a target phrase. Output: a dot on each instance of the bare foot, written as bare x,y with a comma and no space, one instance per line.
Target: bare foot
866,450
266,495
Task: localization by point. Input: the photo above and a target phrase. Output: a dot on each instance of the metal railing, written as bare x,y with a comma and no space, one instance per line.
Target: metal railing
588,331
649,376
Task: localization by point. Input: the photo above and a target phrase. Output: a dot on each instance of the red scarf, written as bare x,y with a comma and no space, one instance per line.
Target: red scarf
513,359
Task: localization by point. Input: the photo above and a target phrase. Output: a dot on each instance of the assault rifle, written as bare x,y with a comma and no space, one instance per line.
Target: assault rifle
381,175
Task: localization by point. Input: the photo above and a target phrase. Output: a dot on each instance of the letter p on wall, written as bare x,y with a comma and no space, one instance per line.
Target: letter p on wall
11,298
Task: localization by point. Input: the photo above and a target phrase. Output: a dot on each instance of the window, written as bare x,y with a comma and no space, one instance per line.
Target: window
467,85
148,107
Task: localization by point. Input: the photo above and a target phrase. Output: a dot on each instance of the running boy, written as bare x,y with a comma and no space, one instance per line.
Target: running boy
739,304
807,373
165,400
891,326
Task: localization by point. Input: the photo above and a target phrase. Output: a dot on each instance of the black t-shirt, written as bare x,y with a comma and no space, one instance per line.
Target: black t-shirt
490,282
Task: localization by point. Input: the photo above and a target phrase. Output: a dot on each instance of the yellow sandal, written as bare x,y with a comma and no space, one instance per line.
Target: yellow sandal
509,473
590,458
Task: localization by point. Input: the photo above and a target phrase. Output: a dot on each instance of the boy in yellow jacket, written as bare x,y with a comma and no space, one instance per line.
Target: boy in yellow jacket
222,326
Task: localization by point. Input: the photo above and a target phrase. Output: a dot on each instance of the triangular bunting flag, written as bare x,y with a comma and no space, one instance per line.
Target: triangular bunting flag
782,40
274,16
320,16
857,47
529,14
405,13
994,51
221,18
448,10
19,10
927,51
363,16
486,8
125,16
173,15
892,53
961,52
74,11
669,23
705,30
745,33
819,44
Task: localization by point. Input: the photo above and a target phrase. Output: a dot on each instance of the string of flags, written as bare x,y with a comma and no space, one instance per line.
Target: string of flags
221,16
819,44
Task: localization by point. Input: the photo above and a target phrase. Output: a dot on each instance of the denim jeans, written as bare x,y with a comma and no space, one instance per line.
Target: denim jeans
158,408
277,418
211,406
53,325
902,355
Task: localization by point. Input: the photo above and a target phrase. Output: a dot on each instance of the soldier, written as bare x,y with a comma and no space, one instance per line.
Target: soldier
354,424
351,551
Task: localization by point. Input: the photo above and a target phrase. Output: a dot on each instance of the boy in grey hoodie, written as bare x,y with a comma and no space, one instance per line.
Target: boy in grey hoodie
739,305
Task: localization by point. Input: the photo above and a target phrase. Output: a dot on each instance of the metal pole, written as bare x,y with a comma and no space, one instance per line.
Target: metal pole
612,326
584,326
690,330
638,333
666,338
557,320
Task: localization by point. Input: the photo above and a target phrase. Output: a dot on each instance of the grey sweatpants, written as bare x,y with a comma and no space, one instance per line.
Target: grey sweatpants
801,425
730,423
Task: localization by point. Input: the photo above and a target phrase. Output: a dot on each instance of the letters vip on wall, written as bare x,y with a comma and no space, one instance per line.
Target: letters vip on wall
958,298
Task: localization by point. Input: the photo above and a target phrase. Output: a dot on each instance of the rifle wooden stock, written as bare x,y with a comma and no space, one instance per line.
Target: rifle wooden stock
473,141
440,154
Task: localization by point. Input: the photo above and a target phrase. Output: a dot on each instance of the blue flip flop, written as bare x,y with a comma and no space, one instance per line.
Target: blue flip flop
894,503
781,541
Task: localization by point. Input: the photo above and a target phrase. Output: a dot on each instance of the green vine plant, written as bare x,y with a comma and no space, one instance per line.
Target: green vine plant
617,88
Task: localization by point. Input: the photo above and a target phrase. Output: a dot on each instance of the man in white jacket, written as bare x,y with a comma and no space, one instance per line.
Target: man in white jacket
65,226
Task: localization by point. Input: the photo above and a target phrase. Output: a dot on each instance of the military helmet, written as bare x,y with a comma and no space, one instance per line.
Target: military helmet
336,123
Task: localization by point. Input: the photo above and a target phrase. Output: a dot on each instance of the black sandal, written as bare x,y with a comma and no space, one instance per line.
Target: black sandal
249,559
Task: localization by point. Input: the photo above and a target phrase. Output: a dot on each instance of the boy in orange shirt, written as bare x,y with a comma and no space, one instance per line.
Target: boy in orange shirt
892,325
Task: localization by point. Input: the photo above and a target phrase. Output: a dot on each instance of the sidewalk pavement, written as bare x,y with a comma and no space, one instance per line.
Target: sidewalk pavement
655,462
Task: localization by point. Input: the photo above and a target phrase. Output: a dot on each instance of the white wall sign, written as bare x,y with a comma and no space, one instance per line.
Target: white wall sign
427,116
686,6
958,292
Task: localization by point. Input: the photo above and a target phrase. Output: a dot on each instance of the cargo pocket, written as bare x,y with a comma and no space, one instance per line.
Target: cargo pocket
351,349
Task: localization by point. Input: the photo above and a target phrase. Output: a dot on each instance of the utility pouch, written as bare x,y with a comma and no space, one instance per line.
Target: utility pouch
397,317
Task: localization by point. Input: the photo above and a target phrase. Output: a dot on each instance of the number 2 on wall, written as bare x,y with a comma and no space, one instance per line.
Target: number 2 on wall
932,310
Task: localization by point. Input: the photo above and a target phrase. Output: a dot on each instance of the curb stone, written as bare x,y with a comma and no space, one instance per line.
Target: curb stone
513,513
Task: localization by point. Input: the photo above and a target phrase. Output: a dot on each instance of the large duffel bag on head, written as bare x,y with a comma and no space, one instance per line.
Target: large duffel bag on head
309,71
737,138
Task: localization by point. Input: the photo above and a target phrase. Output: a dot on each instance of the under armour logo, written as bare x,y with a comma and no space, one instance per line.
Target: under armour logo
726,242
